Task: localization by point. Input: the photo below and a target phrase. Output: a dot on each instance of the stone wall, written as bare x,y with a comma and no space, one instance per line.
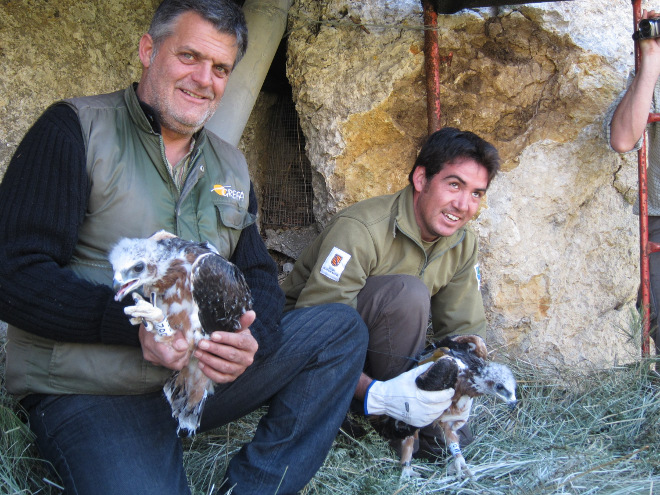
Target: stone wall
558,237
56,49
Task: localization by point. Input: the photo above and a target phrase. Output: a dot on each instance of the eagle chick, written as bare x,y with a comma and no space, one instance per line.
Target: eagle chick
193,290
460,363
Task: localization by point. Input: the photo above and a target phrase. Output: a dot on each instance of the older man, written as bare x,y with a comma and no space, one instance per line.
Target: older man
94,169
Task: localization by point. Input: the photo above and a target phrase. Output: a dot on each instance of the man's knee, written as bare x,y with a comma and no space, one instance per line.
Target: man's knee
348,321
411,295
394,294
334,324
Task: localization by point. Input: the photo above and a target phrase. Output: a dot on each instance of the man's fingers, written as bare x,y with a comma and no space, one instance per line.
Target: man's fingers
236,349
226,368
218,370
242,340
247,319
226,355
180,344
171,353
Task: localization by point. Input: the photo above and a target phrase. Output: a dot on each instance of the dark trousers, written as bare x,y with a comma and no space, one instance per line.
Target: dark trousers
128,444
396,311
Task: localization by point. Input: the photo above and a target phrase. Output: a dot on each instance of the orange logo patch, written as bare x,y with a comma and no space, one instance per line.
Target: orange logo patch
221,190
228,192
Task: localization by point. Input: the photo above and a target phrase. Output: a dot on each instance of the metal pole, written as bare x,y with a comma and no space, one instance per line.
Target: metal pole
432,66
644,265
266,21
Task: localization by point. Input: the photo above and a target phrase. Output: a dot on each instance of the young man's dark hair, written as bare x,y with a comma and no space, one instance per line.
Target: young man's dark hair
449,145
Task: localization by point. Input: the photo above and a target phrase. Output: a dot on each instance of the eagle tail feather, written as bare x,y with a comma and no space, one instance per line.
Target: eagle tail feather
187,400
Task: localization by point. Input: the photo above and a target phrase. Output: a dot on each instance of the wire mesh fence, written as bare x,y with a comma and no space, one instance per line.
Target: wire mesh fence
287,198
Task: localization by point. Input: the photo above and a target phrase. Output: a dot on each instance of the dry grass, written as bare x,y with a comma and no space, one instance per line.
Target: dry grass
573,432
21,470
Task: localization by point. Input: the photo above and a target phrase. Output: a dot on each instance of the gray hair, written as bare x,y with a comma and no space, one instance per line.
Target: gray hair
225,15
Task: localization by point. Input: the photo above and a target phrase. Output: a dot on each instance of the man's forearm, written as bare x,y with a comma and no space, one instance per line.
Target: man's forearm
362,386
630,117
43,199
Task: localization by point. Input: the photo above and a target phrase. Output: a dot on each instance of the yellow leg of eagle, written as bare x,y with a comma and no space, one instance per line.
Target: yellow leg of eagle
407,450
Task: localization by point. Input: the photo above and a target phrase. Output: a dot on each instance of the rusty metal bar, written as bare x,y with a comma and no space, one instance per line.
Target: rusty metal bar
644,266
432,66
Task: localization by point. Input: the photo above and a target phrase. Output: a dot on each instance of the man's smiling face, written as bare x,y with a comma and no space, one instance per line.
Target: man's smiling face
448,200
184,77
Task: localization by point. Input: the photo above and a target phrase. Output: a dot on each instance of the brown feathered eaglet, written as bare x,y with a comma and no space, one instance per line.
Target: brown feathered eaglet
460,363
196,289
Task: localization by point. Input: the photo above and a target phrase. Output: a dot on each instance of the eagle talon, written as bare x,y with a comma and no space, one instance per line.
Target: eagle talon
408,472
459,467
153,318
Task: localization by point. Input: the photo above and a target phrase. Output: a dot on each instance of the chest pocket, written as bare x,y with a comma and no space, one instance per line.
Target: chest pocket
231,219
232,216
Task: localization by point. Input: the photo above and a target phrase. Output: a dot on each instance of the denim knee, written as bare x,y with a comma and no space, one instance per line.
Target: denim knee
348,329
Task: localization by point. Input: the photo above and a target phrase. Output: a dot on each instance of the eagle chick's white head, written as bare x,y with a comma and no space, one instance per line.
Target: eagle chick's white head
136,263
497,380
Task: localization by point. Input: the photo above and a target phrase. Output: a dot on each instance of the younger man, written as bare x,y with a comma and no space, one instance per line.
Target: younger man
396,258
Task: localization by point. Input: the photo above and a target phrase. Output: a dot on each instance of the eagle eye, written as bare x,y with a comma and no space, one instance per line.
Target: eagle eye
139,267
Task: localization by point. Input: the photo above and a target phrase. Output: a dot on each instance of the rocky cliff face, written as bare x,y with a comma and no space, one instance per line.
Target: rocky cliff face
60,49
558,237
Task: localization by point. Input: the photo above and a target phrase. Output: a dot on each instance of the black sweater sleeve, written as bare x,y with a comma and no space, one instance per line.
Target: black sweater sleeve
43,200
260,271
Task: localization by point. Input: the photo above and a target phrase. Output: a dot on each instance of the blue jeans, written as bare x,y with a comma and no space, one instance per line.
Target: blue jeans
128,444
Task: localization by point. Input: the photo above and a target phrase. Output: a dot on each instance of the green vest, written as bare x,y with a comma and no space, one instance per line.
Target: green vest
132,195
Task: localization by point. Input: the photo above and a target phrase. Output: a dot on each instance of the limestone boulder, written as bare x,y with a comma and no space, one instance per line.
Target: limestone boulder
61,49
559,242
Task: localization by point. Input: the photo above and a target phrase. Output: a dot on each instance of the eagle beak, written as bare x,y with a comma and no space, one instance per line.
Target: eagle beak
122,289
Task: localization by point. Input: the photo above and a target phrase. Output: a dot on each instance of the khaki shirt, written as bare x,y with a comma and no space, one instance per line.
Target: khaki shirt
379,236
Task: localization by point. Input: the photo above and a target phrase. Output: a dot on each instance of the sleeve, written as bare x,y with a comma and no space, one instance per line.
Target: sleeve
43,200
607,122
337,267
458,307
260,272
